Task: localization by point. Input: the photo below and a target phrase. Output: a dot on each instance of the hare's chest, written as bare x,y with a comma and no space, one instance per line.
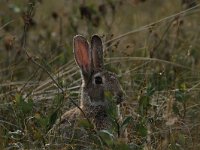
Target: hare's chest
98,117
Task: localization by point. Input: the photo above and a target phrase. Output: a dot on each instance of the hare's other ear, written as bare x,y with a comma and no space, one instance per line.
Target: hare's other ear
97,52
82,54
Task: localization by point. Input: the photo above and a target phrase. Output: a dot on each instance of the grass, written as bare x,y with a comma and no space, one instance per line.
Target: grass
153,46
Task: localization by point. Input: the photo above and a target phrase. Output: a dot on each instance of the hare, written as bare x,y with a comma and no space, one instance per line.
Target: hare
96,81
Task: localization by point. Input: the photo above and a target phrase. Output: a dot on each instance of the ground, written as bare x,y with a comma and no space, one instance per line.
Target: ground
153,46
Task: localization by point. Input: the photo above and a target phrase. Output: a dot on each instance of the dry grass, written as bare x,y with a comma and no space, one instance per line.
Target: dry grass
153,46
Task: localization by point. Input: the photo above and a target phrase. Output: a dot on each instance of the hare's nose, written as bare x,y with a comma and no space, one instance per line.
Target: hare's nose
119,97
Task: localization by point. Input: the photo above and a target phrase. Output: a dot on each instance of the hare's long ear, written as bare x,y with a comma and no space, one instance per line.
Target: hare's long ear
97,52
82,54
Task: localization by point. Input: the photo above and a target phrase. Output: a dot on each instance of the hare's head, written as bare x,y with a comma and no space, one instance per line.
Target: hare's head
96,80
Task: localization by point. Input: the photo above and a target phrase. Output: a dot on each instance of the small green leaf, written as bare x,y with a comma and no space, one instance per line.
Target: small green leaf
183,86
85,124
106,136
24,106
126,121
181,138
28,106
121,146
180,96
142,130
18,98
150,90
144,104
112,110
108,95
42,121
52,119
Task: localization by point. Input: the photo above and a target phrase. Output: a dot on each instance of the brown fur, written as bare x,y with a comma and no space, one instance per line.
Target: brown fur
96,81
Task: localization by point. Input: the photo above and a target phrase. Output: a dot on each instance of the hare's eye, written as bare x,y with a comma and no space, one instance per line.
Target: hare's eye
98,80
